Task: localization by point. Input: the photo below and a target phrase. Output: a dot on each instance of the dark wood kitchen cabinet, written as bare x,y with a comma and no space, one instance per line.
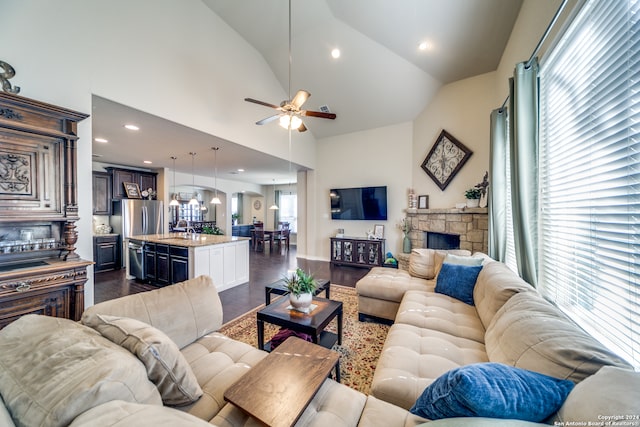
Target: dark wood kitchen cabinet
39,269
101,193
106,251
145,180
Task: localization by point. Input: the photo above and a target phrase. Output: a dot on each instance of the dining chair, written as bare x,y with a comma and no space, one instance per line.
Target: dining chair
282,237
259,237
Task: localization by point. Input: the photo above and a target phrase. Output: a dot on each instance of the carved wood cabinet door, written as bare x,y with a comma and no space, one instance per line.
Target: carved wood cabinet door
30,181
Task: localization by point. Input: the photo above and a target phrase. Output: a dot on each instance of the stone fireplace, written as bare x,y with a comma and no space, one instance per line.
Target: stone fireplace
470,224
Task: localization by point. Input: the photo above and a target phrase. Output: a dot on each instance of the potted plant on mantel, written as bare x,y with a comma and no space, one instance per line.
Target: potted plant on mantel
301,286
473,197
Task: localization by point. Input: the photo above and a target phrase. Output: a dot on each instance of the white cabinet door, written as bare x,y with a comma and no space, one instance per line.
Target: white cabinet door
216,266
242,262
201,262
229,265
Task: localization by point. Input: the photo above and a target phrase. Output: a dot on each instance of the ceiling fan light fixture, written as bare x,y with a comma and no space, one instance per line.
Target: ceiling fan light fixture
290,121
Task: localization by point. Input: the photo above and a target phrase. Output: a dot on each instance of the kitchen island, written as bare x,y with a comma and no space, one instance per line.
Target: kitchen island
175,257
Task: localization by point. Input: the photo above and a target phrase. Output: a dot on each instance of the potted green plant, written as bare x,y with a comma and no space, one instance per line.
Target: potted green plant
473,197
234,218
301,286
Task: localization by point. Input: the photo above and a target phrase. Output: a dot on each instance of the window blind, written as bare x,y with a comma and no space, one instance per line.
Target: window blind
590,174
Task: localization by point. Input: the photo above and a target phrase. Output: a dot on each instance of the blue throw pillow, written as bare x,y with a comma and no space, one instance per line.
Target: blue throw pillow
492,390
458,281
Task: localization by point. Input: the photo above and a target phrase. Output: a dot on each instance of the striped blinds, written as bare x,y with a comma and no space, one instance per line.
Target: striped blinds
590,174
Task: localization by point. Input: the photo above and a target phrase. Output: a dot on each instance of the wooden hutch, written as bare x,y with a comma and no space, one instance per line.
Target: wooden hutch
39,269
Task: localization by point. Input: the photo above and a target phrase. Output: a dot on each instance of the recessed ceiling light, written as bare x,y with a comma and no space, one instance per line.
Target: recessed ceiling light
424,46
104,141
335,53
132,127
147,162
240,170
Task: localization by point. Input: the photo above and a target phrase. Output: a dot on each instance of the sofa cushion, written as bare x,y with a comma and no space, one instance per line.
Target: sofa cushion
611,391
195,300
439,312
458,281
492,390
413,357
166,366
390,284
217,361
496,283
380,413
53,369
425,263
531,333
118,413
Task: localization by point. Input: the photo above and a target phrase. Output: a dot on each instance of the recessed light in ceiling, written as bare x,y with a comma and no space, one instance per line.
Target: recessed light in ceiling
147,162
335,53
240,170
132,127
104,141
424,46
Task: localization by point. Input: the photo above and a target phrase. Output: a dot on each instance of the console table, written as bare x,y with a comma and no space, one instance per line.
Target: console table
357,252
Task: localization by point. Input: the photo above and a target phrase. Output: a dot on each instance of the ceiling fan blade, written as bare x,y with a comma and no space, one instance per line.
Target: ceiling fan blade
300,98
268,120
302,128
317,114
266,104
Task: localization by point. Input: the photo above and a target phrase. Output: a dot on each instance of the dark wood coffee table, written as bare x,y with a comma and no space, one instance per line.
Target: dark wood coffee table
280,288
312,323
278,389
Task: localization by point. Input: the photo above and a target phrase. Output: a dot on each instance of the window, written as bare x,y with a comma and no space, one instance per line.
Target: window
590,174
289,210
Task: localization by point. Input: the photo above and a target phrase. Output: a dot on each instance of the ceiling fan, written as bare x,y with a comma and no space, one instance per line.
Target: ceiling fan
290,110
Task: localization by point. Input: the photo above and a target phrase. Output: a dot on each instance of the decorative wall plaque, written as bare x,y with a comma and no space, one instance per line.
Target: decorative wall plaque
446,158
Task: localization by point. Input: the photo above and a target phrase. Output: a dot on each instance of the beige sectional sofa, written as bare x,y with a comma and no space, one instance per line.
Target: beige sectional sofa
149,359
509,323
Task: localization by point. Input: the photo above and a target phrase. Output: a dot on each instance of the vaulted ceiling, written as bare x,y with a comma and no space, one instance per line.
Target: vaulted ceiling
382,77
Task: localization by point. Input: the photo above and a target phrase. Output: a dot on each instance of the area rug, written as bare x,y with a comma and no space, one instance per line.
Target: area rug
361,341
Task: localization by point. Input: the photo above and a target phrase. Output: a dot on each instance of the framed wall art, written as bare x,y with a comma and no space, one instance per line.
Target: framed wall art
378,231
132,190
423,202
446,158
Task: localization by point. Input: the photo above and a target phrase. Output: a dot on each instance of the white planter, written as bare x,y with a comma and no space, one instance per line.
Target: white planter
473,203
301,302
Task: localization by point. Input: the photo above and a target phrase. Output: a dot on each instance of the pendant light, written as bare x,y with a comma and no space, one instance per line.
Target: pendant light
174,198
194,200
274,207
215,200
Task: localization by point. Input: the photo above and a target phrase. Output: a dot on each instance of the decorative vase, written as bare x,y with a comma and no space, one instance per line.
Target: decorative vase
301,302
473,203
406,245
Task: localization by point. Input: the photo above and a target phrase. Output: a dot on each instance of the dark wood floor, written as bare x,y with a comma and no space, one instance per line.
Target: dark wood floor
264,268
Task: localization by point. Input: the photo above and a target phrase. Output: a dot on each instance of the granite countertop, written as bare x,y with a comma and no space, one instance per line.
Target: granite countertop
196,240
105,234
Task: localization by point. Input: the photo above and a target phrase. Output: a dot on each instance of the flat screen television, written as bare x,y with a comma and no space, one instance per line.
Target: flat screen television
363,203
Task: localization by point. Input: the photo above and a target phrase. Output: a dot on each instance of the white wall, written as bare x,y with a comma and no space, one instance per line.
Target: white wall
462,109
369,158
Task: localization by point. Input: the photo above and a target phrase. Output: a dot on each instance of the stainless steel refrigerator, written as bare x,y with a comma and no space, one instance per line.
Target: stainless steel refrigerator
134,217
